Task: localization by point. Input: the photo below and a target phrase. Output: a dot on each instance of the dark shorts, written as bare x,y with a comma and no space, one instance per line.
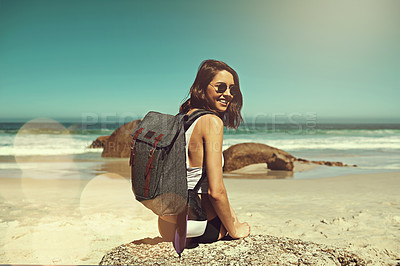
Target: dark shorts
211,234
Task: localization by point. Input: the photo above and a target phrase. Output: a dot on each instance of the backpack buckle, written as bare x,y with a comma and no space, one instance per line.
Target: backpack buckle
152,152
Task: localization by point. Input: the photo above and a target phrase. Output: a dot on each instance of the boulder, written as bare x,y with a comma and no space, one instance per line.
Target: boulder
252,250
241,155
118,144
99,142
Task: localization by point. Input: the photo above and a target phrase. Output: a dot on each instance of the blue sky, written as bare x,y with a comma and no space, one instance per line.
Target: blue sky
72,59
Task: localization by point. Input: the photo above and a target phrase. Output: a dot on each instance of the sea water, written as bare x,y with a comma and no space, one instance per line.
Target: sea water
372,147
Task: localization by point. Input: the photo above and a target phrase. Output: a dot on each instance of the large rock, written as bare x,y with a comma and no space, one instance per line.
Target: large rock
252,250
118,145
100,142
241,155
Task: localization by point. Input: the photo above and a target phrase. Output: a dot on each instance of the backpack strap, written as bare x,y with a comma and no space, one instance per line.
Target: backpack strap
131,161
150,166
203,176
196,114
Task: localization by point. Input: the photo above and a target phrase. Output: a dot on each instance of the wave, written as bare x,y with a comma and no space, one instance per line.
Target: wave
45,151
359,132
58,140
45,144
314,132
386,167
98,131
335,143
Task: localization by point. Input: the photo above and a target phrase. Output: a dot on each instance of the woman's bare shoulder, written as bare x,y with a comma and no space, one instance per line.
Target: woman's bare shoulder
210,123
211,120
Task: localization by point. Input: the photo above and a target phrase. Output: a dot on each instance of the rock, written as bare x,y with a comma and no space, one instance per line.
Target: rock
327,163
303,160
278,161
252,250
99,142
241,155
118,145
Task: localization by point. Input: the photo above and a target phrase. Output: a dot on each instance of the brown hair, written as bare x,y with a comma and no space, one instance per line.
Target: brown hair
207,71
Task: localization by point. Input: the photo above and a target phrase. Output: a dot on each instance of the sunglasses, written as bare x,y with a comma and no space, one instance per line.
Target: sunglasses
222,87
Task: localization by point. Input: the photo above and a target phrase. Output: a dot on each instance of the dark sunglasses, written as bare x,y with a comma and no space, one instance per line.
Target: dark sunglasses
222,87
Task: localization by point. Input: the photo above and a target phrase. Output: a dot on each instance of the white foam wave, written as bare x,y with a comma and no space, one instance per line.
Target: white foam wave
386,167
360,132
46,144
336,143
6,140
4,166
50,144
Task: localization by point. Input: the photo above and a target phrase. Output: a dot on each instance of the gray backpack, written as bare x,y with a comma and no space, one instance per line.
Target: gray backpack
158,161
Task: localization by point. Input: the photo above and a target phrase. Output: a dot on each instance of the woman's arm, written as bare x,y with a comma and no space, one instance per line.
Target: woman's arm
212,133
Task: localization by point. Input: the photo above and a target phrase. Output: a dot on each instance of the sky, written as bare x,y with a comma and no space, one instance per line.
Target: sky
333,59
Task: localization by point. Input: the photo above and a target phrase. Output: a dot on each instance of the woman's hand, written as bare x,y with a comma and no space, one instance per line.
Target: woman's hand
242,230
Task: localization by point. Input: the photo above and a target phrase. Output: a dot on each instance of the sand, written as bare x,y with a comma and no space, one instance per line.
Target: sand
65,221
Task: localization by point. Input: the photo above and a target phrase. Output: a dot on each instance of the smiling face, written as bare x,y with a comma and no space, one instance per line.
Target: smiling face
220,101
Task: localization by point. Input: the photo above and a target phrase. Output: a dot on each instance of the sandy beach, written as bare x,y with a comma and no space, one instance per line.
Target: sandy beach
51,220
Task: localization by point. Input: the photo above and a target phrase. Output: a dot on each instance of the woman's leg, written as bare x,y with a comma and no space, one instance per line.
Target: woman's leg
222,231
166,229
214,223
215,230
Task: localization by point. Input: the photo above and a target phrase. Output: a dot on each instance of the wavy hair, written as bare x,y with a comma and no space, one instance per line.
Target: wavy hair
205,74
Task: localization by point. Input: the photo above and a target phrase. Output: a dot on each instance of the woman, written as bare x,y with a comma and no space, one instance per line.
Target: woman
216,88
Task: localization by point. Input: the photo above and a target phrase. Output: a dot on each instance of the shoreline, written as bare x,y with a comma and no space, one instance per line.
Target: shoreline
88,166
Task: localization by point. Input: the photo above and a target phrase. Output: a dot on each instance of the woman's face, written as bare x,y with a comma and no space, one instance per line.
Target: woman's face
220,101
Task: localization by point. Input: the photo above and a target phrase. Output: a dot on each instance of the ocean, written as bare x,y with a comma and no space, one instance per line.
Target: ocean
372,147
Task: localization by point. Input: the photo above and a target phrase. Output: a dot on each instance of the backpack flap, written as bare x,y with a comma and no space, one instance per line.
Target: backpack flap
155,124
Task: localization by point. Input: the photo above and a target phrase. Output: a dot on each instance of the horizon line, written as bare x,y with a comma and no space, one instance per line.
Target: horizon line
247,119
